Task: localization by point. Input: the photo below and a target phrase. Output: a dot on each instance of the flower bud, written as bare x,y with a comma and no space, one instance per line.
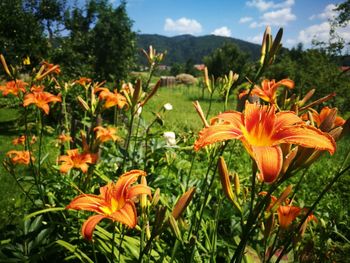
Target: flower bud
282,197
156,197
200,113
175,227
4,64
143,197
83,103
183,202
237,183
225,179
225,182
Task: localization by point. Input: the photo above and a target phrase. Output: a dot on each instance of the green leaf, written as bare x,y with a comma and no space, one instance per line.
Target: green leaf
77,252
52,209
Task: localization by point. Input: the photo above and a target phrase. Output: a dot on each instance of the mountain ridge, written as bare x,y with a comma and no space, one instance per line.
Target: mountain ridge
183,48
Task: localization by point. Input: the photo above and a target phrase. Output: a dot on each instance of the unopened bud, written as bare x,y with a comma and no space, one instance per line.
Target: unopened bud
156,197
306,97
150,95
199,110
237,183
83,103
143,197
137,92
328,123
4,64
336,133
148,232
225,179
175,227
282,197
225,182
183,202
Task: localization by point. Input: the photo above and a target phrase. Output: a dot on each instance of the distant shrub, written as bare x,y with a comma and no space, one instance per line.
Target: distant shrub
186,79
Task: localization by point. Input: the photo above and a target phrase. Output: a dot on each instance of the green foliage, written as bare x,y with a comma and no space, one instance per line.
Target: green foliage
182,48
114,43
21,34
313,69
344,13
226,58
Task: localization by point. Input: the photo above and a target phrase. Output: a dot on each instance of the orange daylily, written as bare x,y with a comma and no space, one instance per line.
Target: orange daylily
261,131
115,201
13,87
311,217
64,138
111,98
19,140
51,67
19,157
287,214
74,159
268,89
41,99
83,81
106,134
326,119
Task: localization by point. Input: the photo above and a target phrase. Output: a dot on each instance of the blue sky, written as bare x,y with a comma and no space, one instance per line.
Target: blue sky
302,20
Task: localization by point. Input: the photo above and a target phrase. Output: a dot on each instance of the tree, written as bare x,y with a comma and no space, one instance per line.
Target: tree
114,47
336,43
21,34
228,57
344,13
311,69
75,52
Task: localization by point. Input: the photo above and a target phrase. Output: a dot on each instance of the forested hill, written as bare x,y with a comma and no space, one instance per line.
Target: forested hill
187,47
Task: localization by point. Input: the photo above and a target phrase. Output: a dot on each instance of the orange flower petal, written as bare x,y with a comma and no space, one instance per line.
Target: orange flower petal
259,92
64,168
286,118
306,136
216,133
269,161
126,180
87,202
287,214
126,215
89,226
286,82
259,118
138,190
232,117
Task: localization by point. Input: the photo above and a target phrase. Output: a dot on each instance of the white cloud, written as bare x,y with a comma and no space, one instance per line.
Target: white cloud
320,32
260,4
328,13
222,31
245,19
265,5
289,42
256,39
183,26
280,17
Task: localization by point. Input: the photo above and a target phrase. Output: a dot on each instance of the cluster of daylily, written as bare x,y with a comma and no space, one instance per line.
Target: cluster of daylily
280,142
270,136
280,138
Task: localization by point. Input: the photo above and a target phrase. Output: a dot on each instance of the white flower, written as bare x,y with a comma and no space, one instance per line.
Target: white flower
170,138
168,106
